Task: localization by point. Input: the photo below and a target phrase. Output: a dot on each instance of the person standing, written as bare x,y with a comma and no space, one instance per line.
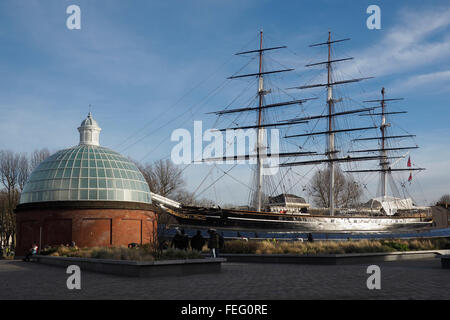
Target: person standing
177,240
197,241
32,252
213,242
184,240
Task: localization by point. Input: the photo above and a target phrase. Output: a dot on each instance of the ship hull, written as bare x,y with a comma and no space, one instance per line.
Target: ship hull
253,221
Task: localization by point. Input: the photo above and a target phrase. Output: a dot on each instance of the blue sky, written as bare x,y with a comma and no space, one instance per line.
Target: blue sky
149,67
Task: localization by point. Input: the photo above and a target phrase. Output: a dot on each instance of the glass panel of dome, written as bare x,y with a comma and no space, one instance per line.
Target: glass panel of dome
55,195
102,195
77,163
70,163
93,172
92,163
99,163
83,183
116,174
59,173
84,163
84,194
74,183
110,183
56,184
64,195
102,183
113,164
75,172
119,184
111,195
101,173
109,173
73,194
92,194
84,172
67,172
65,184
92,182
119,195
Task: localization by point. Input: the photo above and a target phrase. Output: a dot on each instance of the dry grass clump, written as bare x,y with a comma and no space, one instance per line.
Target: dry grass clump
332,247
121,253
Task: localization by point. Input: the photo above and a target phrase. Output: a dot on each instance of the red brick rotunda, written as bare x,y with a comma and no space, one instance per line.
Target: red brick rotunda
87,194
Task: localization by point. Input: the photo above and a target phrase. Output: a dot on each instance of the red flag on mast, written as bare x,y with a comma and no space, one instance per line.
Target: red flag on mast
410,177
409,162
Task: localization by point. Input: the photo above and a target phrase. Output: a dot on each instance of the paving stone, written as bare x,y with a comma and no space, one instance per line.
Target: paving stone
423,279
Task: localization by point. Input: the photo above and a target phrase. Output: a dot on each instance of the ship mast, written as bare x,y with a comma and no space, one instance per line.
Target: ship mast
260,130
383,153
261,148
385,168
330,133
330,150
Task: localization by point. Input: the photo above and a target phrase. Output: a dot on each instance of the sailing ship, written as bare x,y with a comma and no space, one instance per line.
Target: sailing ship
291,213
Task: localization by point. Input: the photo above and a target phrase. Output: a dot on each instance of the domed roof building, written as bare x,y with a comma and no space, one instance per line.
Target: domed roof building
88,194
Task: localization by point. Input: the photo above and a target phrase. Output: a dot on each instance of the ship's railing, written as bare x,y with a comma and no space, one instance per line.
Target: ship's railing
163,200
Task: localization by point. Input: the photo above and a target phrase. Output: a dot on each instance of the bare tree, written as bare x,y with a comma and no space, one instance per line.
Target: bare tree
188,198
163,177
9,176
37,157
444,199
23,171
185,197
346,190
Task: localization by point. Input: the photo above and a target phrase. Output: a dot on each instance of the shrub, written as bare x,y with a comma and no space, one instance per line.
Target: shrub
332,247
121,253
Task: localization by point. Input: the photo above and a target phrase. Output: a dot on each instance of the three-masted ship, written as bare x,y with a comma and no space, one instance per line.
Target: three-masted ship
288,212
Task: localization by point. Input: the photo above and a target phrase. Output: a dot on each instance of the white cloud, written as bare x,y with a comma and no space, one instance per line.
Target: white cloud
419,39
439,80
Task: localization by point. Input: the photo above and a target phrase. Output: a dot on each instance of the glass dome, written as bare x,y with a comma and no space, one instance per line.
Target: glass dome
86,172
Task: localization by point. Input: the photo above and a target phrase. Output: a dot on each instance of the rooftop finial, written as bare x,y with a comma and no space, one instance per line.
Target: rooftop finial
89,131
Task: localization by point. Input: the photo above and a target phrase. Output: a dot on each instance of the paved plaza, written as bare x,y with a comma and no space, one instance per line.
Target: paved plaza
422,279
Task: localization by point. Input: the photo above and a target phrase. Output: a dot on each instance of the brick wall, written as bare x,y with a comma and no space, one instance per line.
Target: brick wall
87,227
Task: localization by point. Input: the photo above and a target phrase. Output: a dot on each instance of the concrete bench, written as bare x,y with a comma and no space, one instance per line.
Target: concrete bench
138,268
